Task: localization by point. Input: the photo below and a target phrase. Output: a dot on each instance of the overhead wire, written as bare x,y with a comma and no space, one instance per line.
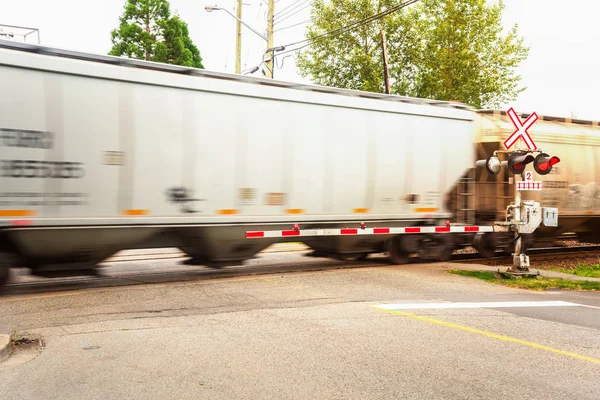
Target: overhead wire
292,26
282,61
292,11
283,11
351,26
339,31
291,15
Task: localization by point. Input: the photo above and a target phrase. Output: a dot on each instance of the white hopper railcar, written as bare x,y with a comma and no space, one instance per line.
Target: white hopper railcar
101,154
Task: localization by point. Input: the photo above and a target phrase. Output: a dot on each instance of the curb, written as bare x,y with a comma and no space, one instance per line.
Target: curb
4,347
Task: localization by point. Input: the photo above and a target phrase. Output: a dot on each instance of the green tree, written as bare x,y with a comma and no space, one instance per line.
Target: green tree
147,31
438,49
350,60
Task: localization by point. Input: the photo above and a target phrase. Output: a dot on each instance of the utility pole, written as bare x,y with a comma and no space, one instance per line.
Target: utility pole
386,71
238,41
270,16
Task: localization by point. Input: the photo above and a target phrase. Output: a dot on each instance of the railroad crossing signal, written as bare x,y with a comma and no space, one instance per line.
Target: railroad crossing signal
518,159
521,212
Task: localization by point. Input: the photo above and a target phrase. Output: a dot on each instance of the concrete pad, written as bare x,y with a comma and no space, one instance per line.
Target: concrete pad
543,272
4,347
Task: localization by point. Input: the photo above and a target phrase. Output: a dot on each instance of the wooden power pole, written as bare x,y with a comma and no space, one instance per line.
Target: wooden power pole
238,39
270,61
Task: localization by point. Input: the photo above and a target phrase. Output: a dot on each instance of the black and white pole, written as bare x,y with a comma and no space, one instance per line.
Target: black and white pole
520,260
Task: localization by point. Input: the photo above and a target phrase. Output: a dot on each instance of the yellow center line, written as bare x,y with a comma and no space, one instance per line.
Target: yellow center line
491,335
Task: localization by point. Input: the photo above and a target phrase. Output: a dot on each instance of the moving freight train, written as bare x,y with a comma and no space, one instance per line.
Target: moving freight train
101,154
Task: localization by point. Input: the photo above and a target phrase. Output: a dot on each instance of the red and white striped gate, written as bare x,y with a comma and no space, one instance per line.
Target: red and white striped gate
363,230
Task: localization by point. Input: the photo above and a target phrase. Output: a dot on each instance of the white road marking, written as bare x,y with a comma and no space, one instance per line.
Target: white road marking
585,305
491,304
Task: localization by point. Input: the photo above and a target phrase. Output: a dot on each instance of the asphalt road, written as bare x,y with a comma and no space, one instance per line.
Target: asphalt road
305,335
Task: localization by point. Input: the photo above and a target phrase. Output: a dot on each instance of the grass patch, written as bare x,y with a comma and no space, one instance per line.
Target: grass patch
538,283
592,271
24,340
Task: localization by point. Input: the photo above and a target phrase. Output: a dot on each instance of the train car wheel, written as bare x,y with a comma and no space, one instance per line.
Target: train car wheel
5,264
445,253
4,273
437,248
395,251
485,244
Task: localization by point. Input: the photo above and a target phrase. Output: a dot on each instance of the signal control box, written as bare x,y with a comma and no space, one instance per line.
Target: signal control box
531,216
550,216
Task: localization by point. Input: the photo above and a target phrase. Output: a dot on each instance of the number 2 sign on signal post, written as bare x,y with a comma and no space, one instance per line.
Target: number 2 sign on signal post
528,183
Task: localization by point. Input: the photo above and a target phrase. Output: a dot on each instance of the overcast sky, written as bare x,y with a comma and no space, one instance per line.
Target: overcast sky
561,73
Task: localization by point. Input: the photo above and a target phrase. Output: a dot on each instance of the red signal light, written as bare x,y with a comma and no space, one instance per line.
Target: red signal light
543,163
517,162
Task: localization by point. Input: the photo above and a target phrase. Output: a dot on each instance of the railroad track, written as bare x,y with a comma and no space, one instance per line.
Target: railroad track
174,253
538,252
182,273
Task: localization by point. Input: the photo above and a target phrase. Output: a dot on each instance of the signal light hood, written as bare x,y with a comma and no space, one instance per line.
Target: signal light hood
517,162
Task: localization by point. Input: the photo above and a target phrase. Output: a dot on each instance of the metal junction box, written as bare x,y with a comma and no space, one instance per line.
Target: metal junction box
530,216
550,216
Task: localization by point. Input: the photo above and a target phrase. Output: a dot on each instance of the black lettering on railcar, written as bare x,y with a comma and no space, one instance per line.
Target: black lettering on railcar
556,185
37,199
26,138
41,169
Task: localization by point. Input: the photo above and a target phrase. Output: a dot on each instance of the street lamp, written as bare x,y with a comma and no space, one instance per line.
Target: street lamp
210,9
238,40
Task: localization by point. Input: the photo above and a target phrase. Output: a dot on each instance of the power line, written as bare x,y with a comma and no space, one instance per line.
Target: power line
294,10
283,60
291,26
291,15
281,49
342,30
285,8
353,25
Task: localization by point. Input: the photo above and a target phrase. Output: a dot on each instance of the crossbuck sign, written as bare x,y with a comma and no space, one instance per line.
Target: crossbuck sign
521,130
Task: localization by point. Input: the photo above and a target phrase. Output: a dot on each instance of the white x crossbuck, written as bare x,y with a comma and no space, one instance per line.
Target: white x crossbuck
521,130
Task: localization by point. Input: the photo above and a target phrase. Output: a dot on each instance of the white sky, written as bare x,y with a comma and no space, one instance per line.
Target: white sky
561,73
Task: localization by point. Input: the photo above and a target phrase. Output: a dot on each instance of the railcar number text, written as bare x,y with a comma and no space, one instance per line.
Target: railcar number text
41,169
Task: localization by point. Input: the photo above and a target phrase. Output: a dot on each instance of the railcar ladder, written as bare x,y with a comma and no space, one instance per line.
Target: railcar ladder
465,198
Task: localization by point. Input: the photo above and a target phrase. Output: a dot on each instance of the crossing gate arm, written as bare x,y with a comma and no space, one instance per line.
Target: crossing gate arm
296,232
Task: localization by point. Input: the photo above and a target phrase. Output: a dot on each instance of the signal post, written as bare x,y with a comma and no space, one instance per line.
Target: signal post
522,217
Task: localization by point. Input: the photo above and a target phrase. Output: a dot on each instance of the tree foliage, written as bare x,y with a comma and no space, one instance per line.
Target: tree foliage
438,49
147,31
